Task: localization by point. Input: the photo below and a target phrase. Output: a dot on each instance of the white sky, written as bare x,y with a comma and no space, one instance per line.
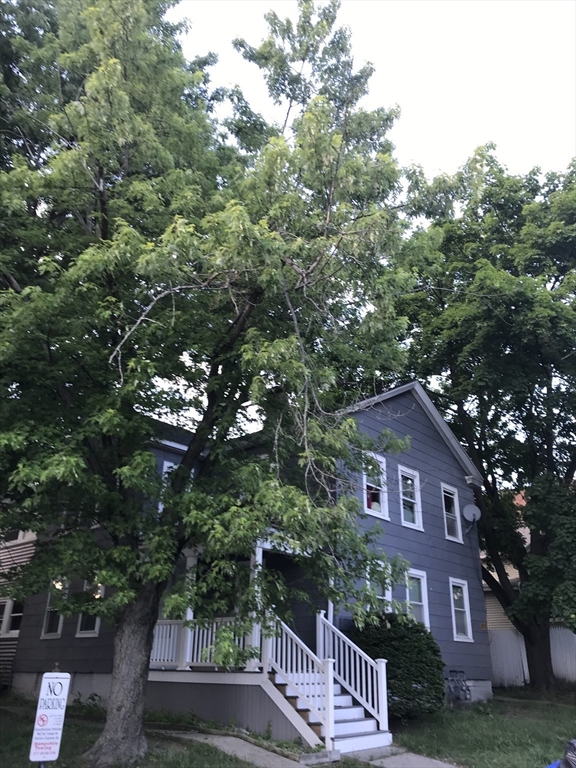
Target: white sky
464,72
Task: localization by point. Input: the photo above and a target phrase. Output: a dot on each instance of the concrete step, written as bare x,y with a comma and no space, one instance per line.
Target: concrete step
352,742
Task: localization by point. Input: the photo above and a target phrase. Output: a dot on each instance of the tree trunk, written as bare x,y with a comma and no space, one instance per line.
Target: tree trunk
122,742
538,654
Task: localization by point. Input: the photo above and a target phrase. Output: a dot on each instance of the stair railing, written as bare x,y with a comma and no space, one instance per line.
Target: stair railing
311,678
363,677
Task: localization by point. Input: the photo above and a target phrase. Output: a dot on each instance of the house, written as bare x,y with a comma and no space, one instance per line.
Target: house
15,549
311,682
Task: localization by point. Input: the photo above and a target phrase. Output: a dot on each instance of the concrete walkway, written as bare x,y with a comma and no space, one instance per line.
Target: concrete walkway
252,754
261,758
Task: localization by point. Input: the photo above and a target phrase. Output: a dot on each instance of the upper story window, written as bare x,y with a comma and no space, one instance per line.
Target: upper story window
88,624
410,503
374,490
417,596
461,619
15,537
53,620
11,613
452,523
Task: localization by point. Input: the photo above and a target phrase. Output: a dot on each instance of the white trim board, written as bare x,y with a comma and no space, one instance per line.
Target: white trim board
473,476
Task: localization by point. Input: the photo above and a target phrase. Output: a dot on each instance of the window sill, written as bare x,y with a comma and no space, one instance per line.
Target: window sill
87,634
51,637
413,526
463,639
455,540
7,635
379,515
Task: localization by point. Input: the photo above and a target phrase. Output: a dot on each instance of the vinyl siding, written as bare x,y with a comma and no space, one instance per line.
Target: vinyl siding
429,550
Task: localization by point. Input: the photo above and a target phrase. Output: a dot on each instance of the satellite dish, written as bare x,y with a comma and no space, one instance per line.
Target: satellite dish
471,513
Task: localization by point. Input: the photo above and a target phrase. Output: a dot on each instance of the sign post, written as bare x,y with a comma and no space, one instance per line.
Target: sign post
49,718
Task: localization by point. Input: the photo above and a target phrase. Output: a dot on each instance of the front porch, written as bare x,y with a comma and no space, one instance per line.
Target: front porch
336,697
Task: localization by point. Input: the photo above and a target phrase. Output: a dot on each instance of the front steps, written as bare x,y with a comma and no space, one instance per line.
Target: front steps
353,730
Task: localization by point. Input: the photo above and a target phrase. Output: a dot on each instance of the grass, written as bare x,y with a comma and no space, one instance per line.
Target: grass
498,734
16,733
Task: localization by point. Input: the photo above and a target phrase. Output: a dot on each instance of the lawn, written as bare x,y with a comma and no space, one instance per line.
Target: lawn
16,732
499,734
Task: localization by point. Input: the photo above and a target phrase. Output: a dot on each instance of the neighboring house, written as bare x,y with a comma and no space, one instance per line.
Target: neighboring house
294,688
15,548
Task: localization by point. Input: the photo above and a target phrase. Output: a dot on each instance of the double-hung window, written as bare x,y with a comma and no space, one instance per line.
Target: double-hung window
452,523
88,624
417,596
52,627
10,617
410,503
461,620
374,489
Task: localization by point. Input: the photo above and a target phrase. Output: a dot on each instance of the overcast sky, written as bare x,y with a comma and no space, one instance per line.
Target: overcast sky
464,72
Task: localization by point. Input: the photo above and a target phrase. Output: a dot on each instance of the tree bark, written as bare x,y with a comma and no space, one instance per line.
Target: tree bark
123,742
538,654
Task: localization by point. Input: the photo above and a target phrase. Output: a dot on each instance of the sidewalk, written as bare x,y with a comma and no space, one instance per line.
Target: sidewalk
262,758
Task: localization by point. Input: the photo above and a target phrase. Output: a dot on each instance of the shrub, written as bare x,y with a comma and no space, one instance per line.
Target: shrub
415,666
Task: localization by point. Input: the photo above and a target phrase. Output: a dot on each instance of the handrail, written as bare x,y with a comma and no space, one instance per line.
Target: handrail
311,678
354,669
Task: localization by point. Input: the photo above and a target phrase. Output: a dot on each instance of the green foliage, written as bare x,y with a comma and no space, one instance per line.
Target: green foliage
415,666
492,322
150,267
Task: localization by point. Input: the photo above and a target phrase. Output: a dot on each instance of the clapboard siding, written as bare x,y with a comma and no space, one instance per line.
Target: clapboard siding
73,654
429,550
7,653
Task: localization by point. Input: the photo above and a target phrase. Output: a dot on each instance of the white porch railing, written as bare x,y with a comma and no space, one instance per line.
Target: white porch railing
166,642
175,644
203,639
311,679
363,677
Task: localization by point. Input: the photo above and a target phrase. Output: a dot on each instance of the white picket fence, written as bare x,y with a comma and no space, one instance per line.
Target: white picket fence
509,663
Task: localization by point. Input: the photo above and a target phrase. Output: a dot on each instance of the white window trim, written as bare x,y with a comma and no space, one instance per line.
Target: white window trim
9,604
454,491
418,526
92,632
461,638
384,513
52,635
166,467
424,579
23,537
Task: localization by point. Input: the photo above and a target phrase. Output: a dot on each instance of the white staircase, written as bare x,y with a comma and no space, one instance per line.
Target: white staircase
343,699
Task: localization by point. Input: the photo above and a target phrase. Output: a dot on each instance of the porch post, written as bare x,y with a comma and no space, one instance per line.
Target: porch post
382,695
320,635
185,635
254,638
329,704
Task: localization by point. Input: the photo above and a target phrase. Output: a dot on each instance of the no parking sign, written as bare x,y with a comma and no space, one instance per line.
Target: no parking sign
50,717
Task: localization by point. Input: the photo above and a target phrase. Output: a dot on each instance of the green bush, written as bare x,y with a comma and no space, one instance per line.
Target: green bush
415,666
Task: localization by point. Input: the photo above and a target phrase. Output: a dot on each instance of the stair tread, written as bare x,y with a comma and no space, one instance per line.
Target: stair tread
357,734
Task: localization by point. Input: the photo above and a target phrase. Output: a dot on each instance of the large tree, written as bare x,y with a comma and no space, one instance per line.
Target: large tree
492,327
157,263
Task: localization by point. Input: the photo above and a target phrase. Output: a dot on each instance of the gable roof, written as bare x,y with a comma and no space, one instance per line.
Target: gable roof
473,476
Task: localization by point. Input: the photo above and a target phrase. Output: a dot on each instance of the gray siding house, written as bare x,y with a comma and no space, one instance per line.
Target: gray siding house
311,682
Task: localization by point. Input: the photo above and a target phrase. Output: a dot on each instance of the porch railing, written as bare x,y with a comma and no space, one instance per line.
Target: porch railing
203,639
166,642
309,677
363,677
